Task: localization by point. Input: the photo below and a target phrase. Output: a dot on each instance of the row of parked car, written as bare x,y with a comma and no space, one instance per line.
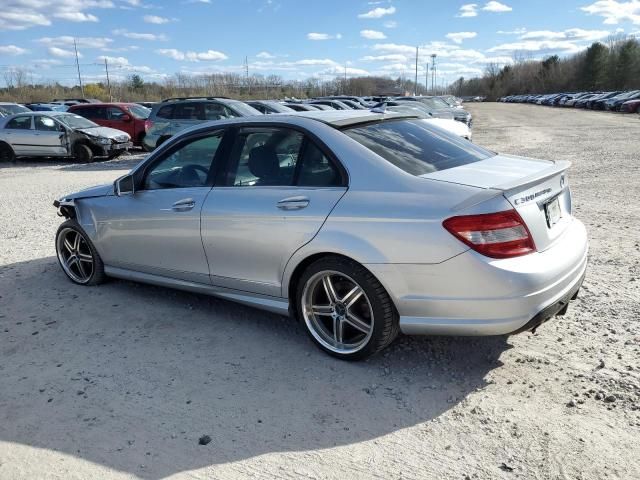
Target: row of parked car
617,101
87,129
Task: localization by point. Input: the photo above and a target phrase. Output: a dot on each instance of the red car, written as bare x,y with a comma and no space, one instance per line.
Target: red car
631,106
128,117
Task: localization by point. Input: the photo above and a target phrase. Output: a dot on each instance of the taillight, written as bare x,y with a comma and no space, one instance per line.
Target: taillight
147,125
496,235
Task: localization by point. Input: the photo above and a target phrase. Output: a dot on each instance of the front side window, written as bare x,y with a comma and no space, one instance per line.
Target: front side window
45,124
19,123
115,114
187,166
416,146
265,157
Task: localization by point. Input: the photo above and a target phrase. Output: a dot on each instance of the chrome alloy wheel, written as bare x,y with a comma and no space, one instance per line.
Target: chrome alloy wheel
337,312
75,255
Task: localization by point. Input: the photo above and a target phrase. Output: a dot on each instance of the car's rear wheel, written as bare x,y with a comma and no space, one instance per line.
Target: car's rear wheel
82,153
77,255
346,310
6,153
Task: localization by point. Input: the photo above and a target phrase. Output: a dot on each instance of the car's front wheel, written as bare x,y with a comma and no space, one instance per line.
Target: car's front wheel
82,153
346,310
77,255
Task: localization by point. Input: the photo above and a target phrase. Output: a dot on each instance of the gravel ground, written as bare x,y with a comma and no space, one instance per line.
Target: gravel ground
122,380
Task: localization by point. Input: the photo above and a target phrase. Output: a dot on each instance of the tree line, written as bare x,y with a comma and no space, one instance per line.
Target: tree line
20,88
614,65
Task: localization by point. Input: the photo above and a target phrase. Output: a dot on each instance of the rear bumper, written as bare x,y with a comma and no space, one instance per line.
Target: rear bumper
474,295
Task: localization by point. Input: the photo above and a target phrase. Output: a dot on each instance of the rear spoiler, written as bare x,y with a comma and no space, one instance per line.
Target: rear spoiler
558,166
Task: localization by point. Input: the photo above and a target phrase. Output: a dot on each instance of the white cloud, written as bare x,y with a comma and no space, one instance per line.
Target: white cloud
390,24
265,55
538,46
122,63
517,31
22,14
209,55
12,50
76,16
62,53
378,12
458,37
394,48
155,19
372,35
340,71
139,36
323,36
570,34
393,57
468,10
615,12
494,6
82,42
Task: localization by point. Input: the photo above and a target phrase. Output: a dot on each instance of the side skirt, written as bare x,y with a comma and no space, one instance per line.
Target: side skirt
263,302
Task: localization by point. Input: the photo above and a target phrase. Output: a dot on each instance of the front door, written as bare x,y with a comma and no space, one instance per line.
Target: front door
278,192
50,137
157,229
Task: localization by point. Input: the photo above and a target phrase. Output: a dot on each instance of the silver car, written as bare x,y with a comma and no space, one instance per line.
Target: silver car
360,224
58,134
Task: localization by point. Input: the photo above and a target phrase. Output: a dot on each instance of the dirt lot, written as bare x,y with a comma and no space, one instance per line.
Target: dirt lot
120,381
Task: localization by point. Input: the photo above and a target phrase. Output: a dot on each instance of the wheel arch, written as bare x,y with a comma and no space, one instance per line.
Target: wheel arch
8,145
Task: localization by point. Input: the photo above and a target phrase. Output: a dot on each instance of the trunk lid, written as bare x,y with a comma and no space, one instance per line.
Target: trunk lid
537,189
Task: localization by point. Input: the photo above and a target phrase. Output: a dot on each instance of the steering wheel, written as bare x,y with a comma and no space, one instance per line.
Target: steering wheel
193,175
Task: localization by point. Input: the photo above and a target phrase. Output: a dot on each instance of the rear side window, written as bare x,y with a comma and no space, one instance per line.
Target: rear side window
417,147
216,111
189,111
19,123
165,112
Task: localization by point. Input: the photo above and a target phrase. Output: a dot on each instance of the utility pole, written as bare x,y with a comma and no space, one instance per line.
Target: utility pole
246,73
415,84
426,78
344,90
106,68
433,72
78,67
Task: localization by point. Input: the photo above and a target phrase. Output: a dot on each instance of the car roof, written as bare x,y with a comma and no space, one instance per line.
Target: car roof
102,104
344,118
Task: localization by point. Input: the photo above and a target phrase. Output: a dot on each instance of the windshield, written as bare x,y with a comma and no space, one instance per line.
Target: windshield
76,121
243,109
416,146
279,108
138,111
10,109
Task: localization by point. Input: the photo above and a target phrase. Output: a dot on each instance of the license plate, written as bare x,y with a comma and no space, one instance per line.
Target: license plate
121,146
553,212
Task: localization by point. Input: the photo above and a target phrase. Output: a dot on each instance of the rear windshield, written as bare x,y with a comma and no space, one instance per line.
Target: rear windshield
243,109
416,146
138,111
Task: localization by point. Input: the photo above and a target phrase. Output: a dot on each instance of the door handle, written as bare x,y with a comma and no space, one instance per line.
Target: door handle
293,203
183,205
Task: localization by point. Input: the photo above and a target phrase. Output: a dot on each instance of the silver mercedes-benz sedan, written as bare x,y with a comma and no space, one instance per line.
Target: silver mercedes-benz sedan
359,224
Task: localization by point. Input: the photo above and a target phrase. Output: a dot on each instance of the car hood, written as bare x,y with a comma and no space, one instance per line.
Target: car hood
97,191
106,132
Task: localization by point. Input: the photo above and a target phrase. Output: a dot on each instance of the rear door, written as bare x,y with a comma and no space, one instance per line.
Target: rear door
19,133
278,191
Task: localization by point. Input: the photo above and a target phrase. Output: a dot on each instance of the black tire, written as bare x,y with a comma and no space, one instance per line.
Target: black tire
97,274
385,317
82,153
6,153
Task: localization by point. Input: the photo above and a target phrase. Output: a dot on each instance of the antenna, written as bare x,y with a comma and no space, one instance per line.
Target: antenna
75,47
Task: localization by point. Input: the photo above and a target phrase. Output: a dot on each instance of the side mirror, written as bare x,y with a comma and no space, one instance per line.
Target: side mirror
124,186
125,118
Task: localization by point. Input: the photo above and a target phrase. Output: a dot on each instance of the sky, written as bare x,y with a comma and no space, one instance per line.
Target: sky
296,39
